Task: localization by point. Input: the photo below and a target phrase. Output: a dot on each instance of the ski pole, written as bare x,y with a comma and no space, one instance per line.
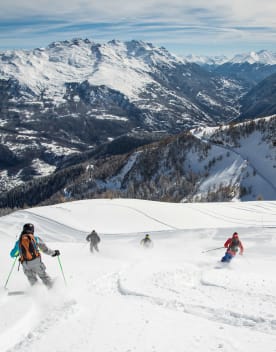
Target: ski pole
214,249
13,264
62,271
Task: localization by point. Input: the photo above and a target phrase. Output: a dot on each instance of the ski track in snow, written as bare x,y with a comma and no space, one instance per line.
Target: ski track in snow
193,284
70,231
27,337
114,283
234,220
164,278
34,323
149,217
226,316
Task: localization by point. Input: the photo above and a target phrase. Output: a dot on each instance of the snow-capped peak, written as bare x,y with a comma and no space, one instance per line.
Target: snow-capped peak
264,57
206,60
123,66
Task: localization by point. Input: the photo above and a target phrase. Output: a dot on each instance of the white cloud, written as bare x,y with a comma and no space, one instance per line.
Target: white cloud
199,11
175,21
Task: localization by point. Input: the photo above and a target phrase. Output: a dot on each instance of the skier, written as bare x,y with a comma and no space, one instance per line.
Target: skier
94,239
27,247
233,244
146,242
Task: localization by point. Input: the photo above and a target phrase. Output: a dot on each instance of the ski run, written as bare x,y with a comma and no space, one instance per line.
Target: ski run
174,297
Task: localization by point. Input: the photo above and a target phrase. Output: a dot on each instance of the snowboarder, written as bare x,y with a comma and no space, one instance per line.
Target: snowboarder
27,247
94,239
146,242
233,245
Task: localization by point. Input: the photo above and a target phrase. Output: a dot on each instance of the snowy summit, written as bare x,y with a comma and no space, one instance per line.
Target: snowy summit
264,57
121,66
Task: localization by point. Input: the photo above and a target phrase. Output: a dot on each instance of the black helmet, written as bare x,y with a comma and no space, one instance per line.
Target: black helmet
28,228
147,235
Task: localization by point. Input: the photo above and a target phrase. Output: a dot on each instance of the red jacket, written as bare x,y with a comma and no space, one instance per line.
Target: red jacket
228,243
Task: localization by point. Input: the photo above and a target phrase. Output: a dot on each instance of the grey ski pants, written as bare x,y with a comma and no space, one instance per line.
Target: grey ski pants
34,268
94,246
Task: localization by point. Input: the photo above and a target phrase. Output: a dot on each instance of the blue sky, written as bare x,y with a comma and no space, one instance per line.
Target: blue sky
203,27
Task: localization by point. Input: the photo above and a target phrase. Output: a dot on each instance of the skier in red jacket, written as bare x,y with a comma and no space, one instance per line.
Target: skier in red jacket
233,245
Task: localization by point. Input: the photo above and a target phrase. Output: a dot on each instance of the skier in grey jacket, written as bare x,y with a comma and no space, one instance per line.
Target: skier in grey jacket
27,247
94,239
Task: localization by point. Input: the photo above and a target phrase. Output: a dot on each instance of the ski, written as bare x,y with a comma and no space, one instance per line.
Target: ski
16,293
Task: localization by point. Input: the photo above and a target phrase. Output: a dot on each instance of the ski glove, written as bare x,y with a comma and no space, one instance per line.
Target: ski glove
57,252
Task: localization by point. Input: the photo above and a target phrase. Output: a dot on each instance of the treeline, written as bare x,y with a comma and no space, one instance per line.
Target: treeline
233,133
158,171
39,190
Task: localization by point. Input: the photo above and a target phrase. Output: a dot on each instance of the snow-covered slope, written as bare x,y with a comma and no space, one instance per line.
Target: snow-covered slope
245,156
174,297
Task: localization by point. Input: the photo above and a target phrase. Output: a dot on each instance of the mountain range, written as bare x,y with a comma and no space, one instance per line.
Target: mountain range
263,57
76,100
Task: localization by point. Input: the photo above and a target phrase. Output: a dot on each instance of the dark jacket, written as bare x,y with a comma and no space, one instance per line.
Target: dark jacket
146,242
93,237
